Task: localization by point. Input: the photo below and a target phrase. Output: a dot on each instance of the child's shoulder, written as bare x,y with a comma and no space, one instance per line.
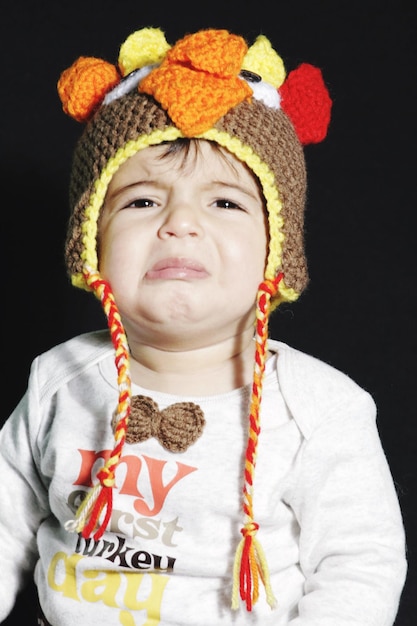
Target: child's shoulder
298,363
69,358
315,390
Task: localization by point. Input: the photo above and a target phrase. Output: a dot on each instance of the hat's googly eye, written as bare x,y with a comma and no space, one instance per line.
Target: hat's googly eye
250,77
263,91
128,83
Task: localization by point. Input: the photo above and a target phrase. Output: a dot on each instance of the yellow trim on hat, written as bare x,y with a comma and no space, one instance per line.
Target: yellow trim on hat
274,206
92,211
243,152
273,203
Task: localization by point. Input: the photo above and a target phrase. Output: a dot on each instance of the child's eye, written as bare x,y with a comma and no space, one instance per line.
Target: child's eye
227,204
140,203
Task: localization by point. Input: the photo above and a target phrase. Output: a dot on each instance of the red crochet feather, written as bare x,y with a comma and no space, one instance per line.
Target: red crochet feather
306,101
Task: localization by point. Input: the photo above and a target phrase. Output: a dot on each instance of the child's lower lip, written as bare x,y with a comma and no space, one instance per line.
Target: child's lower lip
177,273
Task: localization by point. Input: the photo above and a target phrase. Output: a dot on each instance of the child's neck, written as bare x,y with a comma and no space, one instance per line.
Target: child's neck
206,370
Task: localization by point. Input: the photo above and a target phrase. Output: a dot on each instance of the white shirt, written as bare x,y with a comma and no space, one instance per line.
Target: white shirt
330,522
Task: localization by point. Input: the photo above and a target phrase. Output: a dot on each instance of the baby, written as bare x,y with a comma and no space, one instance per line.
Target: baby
182,464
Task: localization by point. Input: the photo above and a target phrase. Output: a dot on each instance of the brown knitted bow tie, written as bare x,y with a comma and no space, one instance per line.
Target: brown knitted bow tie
176,427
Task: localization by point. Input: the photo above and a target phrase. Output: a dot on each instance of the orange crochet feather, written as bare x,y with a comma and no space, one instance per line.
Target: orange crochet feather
198,80
83,86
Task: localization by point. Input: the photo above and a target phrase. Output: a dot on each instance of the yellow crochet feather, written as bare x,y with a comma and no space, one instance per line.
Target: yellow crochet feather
262,59
143,47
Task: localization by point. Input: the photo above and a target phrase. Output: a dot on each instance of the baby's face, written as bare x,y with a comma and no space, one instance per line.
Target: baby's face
183,243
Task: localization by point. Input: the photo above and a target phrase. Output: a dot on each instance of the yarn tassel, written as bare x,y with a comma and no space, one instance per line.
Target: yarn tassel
250,565
94,513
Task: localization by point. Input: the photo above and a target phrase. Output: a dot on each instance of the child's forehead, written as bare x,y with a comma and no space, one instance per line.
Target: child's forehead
189,156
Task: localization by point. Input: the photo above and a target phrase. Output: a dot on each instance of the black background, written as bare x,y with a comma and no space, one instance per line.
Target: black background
359,310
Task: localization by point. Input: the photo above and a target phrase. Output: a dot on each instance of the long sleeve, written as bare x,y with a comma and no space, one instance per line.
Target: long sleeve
351,533
22,507
32,441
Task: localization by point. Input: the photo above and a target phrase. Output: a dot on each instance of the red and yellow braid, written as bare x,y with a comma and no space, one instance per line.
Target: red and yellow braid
100,498
250,562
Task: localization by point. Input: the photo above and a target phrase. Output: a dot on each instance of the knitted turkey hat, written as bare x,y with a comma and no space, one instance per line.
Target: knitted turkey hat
210,85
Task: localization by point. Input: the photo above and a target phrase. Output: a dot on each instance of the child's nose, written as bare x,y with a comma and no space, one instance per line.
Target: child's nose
181,220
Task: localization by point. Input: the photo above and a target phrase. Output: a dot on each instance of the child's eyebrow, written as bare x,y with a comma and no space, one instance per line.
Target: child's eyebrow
121,188
241,187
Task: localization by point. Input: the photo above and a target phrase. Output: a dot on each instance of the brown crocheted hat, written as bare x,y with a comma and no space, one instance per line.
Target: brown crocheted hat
236,96
210,85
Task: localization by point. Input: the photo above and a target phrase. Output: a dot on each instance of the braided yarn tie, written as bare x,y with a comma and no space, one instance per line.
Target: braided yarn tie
100,497
250,563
